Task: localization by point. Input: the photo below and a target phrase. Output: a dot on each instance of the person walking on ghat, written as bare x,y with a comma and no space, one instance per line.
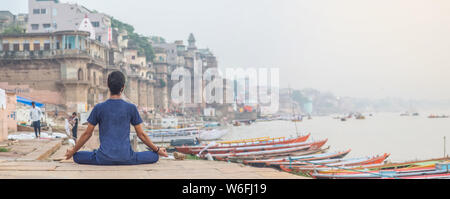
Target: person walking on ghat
35,117
114,117
74,123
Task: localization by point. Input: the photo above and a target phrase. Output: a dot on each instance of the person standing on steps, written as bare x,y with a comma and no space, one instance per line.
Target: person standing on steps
35,117
74,122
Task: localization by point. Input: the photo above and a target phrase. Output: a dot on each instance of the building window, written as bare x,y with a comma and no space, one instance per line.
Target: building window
37,46
35,26
26,46
54,13
36,11
46,45
133,57
80,74
46,25
99,38
44,11
96,24
5,46
16,46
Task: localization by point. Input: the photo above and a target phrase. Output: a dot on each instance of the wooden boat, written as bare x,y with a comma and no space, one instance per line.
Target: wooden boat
329,159
315,164
201,135
438,116
172,132
264,157
244,141
432,176
244,154
250,148
402,170
284,151
373,167
261,142
440,169
267,162
373,160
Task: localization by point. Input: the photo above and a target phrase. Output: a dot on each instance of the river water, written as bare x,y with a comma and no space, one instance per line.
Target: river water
405,138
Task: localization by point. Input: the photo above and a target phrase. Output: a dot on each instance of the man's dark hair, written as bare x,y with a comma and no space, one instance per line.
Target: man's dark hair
74,113
32,103
116,81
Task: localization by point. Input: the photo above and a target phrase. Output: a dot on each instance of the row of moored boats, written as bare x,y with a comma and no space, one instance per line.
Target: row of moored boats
309,157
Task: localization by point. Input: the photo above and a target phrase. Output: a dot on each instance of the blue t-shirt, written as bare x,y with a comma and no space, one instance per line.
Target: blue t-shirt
114,117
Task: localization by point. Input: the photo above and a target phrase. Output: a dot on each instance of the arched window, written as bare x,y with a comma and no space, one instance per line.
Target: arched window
80,74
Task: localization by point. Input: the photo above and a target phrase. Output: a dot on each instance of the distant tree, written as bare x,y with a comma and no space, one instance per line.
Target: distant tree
13,29
135,40
158,40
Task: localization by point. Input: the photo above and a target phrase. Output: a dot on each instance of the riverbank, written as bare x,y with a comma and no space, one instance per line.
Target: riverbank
43,159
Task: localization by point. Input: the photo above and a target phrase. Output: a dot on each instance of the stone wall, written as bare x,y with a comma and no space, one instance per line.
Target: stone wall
39,75
3,125
143,94
11,100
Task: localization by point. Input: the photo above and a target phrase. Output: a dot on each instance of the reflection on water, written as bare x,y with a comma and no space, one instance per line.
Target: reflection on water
406,138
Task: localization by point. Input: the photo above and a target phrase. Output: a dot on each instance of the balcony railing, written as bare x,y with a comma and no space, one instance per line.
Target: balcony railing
48,54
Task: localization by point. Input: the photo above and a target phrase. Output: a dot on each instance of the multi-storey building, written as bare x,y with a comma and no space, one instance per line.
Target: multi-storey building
67,62
65,66
176,55
8,19
51,16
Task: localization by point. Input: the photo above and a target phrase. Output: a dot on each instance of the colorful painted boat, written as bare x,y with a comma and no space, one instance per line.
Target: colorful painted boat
266,162
265,157
312,167
402,170
441,169
190,149
320,159
167,135
244,154
250,148
285,151
305,164
374,167
245,141
433,176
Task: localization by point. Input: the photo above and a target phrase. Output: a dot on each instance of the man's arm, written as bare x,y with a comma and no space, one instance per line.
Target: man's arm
80,143
144,137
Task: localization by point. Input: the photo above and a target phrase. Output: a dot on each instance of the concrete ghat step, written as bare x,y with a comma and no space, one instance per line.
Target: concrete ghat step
59,154
43,152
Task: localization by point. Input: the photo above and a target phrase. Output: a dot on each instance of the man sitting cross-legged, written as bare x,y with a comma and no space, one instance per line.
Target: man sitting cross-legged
114,117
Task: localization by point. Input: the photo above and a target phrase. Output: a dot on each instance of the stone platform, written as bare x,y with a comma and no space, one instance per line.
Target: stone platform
42,159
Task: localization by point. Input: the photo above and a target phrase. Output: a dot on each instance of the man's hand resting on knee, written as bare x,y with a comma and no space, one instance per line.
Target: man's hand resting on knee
146,140
83,139
163,152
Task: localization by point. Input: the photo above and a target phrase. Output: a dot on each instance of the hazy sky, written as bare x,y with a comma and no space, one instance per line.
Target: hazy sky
359,48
